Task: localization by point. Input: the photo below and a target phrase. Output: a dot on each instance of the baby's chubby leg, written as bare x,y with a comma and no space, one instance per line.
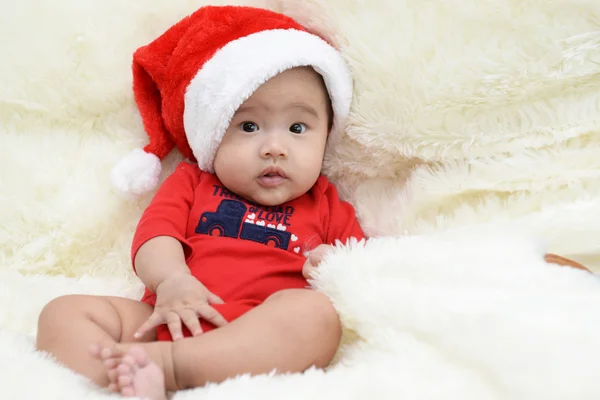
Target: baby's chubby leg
69,325
290,332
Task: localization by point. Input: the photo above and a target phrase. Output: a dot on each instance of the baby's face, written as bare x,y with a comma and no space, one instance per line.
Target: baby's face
273,150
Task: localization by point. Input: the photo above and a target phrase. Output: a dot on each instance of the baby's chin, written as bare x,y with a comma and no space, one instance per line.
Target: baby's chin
272,196
271,199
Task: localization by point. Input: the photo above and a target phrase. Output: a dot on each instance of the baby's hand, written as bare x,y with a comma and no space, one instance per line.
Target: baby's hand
182,298
313,259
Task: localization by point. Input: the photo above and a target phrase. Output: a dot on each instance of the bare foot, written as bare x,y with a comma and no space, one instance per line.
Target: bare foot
138,376
131,372
111,356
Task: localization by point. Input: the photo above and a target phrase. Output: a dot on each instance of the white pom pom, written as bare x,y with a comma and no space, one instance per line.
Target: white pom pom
137,173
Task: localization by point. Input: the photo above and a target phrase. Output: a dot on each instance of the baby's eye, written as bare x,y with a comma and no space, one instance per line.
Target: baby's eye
249,127
298,128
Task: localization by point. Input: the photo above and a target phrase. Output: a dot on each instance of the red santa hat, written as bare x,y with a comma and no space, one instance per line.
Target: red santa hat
190,81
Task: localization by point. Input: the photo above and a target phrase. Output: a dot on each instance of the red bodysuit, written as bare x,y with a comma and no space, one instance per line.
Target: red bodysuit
240,251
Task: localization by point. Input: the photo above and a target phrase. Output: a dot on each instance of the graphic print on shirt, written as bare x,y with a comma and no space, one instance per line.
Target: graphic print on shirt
231,219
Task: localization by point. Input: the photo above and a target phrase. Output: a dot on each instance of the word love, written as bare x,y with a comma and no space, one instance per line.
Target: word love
279,215
275,214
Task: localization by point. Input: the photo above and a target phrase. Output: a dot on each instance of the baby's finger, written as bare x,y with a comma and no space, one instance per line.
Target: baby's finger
174,323
316,256
152,322
211,315
307,271
191,321
213,298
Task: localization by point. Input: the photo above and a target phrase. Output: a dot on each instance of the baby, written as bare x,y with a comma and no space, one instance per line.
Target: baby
224,248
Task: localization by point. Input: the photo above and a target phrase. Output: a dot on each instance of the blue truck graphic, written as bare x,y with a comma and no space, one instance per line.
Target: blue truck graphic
227,221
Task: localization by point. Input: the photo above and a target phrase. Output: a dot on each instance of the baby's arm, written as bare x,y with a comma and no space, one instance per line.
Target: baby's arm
160,264
159,252
160,236
160,258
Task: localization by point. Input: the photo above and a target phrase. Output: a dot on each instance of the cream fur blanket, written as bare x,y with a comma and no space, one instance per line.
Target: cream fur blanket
473,148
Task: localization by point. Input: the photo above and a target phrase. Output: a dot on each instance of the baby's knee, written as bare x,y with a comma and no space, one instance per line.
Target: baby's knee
322,308
54,317
57,309
314,305
58,306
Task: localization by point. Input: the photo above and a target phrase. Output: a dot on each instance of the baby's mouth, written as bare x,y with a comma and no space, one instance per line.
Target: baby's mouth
272,177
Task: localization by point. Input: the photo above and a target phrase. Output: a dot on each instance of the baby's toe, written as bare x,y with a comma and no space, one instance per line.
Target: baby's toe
128,391
111,351
113,375
113,387
111,363
125,369
130,361
95,350
139,356
124,377
125,381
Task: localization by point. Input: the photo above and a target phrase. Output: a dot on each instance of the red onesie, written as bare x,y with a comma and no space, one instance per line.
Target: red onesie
240,251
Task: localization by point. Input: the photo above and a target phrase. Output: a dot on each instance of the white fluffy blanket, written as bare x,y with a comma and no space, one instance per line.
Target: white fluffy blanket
473,148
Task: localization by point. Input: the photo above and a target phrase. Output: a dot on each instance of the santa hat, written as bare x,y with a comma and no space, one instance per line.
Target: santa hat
190,81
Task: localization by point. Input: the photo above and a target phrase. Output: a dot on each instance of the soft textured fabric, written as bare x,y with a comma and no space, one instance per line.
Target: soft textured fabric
240,251
470,114
473,139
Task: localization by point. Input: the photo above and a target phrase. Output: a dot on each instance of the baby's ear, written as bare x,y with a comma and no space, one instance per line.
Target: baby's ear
329,115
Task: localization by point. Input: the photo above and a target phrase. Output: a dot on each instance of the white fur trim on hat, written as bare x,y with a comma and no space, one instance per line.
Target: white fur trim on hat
137,173
234,72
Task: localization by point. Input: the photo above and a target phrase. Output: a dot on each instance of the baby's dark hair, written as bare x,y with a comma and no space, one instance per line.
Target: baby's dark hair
329,105
329,113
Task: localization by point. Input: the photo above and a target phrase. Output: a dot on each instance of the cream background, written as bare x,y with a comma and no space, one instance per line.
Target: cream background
474,140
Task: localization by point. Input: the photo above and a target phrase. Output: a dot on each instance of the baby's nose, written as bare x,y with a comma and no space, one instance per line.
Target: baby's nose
274,147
